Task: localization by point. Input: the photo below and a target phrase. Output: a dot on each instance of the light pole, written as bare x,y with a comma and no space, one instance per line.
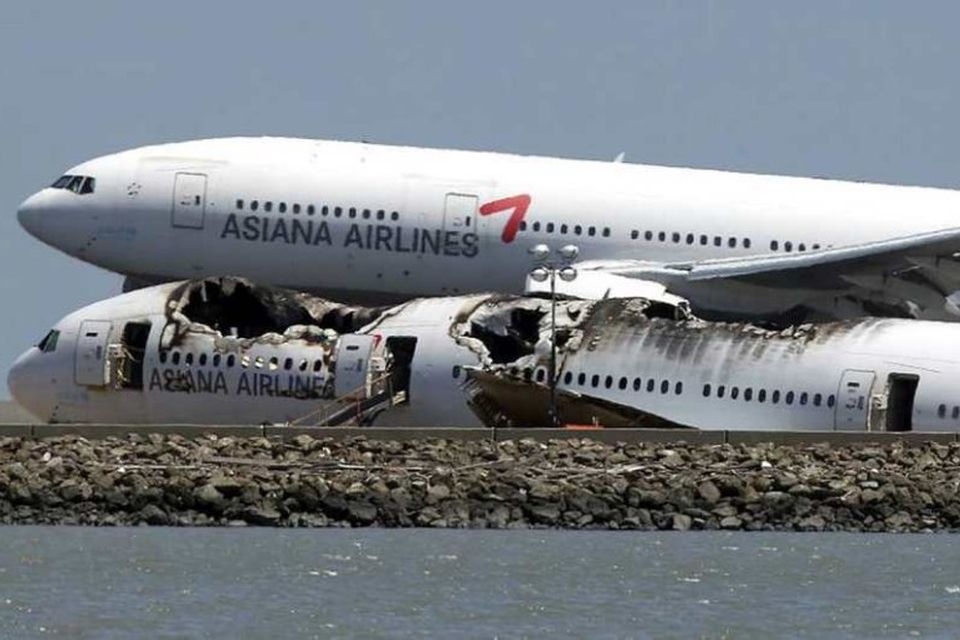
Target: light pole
548,269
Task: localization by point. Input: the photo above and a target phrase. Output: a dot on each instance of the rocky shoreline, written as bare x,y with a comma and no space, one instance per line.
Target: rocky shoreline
570,484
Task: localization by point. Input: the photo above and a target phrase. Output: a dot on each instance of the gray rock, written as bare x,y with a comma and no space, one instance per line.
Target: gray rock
681,522
731,522
709,492
361,512
207,496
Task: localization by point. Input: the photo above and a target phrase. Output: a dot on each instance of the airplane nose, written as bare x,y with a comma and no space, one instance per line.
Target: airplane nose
22,381
31,213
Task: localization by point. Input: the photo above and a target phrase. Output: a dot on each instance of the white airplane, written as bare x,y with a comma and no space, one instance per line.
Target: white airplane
370,222
221,350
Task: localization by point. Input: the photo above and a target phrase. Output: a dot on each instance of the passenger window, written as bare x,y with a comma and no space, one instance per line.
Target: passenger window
942,411
678,388
591,231
303,364
662,237
608,382
748,394
595,380
268,206
188,359
296,208
317,365
203,360
381,214
648,235
312,210
231,360
815,247
817,399
703,240
623,383
762,395
536,226
456,371
523,225
634,234
732,243
563,229
239,204
541,375
394,216
689,238
664,386
549,227
955,413
803,398
788,246
746,243
650,385
254,205
288,364
353,212
721,390
734,393
568,377
163,357
801,247
282,207
717,241
578,230
606,232
175,357
789,397
636,384
774,245
581,379
245,361
675,237
337,212
706,391
216,360
775,396
366,214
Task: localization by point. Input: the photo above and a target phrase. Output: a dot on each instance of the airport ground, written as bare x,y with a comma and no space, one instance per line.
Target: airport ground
607,479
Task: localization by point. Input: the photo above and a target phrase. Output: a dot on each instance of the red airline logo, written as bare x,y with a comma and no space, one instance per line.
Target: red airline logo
518,204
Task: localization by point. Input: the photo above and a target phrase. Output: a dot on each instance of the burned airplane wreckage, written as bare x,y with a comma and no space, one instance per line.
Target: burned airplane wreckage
226,351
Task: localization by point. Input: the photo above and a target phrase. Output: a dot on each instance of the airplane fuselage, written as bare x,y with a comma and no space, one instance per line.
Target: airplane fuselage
368,221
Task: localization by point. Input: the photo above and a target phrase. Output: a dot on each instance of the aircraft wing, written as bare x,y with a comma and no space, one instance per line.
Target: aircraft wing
915,273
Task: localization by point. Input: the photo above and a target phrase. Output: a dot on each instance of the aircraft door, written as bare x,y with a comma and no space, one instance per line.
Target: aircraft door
91,367
353,361
853,400
189,200
460,212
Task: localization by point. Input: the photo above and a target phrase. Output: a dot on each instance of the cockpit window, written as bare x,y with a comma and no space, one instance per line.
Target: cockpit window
49,342
80,185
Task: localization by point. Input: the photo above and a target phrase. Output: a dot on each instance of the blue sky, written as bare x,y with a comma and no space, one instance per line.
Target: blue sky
862,90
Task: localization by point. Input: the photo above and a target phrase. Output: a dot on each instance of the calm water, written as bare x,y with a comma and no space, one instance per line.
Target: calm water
259,583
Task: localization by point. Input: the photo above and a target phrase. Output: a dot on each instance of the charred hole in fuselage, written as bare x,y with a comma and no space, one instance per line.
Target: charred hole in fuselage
236,307
522,333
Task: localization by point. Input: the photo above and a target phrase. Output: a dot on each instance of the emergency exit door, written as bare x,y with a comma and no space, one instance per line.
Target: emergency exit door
353,361
853,400
91,360
460,212
189,200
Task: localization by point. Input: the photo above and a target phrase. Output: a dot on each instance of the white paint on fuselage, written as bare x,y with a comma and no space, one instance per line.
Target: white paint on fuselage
126,225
